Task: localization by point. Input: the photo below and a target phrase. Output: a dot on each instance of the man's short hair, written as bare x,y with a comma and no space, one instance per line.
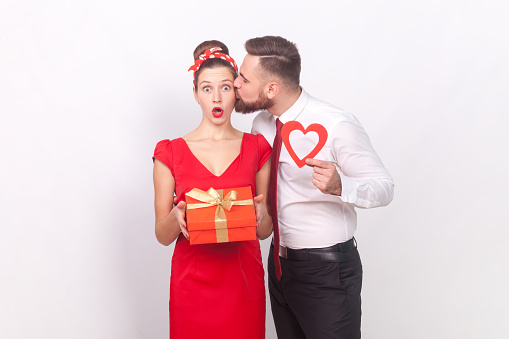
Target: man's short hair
278,57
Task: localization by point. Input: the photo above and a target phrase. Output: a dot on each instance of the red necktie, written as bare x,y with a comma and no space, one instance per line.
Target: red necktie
274,162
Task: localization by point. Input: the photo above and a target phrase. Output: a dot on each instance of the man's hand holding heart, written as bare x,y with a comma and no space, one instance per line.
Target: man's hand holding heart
325,176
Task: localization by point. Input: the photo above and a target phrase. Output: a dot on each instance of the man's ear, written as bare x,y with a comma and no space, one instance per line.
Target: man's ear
272,90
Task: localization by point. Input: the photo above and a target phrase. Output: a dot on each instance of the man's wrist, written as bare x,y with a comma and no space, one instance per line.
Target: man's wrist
339,190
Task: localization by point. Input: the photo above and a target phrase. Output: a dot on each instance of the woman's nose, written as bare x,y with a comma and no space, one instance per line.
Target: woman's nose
217,96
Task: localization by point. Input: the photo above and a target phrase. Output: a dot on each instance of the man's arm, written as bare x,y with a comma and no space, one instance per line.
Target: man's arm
359,178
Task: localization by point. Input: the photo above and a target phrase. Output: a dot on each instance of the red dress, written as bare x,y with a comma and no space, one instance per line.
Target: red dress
216,290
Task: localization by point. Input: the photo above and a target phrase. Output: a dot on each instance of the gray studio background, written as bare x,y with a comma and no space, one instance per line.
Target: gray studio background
88,88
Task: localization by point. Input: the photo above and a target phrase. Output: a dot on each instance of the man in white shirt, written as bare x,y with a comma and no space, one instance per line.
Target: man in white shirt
315,292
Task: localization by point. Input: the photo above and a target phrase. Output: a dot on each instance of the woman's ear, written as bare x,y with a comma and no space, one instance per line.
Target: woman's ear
195,95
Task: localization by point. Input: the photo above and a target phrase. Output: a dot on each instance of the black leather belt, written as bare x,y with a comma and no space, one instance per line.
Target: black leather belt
334,253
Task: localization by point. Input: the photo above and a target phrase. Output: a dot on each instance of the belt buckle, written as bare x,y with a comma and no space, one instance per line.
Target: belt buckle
283,252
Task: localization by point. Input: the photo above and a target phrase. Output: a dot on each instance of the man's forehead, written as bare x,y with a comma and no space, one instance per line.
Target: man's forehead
248,67
251,60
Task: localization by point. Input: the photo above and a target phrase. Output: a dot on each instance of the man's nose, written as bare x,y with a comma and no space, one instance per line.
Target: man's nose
236,82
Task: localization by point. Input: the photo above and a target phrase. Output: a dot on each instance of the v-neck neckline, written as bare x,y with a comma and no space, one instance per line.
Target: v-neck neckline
206,168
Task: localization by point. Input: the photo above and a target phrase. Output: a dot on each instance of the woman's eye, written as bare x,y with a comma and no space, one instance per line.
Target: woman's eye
226,88
206,89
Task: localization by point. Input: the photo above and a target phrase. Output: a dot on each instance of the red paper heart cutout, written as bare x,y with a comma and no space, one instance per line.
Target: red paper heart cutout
291,126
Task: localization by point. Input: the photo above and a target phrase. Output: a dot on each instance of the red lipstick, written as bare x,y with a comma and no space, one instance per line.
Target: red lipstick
217,112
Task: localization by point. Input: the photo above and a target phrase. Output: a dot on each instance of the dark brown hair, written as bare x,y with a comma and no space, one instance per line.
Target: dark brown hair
211,63
278,57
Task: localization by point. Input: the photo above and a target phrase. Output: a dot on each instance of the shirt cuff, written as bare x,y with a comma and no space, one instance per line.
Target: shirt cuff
348,189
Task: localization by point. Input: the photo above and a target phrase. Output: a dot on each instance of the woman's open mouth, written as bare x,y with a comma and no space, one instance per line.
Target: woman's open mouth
217,112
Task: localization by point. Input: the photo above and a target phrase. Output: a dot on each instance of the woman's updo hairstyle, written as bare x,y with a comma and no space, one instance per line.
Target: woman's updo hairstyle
213,62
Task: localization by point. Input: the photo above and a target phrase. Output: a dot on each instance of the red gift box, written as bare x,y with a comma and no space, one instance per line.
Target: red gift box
223,215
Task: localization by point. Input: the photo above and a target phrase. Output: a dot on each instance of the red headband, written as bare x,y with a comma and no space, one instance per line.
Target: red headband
211,54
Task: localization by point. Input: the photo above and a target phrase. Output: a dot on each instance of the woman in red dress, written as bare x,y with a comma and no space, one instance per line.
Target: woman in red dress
216,290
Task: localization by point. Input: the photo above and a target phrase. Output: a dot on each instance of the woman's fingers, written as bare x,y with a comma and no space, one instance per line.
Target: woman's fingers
258,199
181,218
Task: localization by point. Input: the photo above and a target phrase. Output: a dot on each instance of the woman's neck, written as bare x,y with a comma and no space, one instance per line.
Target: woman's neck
208,130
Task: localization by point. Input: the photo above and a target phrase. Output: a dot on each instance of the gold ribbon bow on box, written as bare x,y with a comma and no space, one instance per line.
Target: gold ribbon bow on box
215,198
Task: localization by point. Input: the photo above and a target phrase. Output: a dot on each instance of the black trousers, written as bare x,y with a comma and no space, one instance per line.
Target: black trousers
317,300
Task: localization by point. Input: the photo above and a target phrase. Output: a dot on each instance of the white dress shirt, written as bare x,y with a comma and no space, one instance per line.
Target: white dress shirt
309,218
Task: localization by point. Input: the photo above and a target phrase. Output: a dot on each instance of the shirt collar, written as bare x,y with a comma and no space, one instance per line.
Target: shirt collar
293,112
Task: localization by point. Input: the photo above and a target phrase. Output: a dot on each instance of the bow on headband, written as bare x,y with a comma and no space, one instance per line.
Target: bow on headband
211,54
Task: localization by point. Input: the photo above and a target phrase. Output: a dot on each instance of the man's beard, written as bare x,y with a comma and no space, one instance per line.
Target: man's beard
262,102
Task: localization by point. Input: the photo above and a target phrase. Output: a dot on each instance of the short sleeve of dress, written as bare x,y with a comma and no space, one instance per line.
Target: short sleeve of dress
264,151
164,153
